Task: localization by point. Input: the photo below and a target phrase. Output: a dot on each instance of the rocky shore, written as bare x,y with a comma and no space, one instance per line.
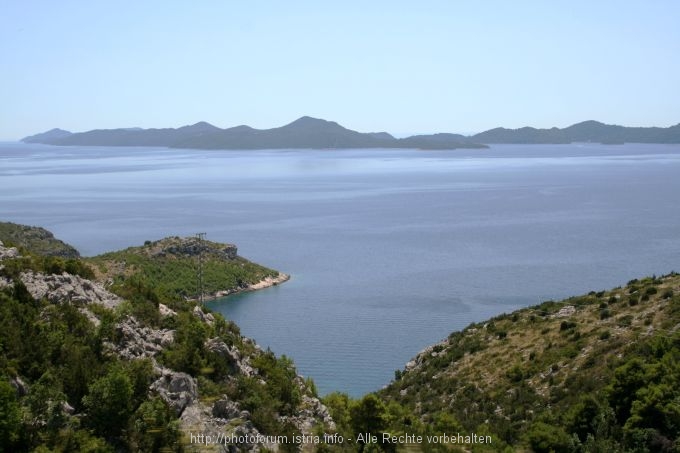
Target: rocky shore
267,282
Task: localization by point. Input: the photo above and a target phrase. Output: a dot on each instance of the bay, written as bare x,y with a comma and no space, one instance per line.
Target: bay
389,250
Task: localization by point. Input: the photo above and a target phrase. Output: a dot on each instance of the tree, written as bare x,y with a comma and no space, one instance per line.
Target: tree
544,438
369,416
153,428
10,417
109,403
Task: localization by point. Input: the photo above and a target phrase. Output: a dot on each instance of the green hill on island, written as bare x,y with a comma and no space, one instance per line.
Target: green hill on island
303,133
586,131
314,133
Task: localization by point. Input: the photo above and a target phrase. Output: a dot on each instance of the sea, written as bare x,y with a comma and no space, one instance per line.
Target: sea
389,251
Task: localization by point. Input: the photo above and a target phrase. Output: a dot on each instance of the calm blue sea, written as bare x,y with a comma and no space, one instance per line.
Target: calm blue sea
389,250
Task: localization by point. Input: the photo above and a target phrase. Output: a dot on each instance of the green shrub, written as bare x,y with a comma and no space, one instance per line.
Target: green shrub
625,321
515,374
544,438
566,325
153,427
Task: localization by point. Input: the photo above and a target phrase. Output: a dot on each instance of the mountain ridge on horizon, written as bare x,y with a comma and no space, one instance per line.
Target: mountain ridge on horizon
313,133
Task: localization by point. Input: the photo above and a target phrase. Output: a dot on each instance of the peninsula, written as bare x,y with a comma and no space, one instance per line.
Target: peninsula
125,365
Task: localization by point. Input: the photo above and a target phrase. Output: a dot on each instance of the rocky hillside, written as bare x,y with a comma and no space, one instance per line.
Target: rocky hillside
600,372
36,239
170,266
85,369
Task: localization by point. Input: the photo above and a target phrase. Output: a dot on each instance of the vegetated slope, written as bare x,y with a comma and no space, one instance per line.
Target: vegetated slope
170,267
38,240
84,369
600,372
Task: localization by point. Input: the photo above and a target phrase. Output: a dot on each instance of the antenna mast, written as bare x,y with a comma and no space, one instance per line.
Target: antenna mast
200,237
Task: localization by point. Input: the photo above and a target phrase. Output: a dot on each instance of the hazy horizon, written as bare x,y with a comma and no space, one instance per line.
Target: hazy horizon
394,67
394,134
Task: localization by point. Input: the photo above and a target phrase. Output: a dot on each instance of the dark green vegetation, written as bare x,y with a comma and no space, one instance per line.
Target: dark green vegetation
37,239
305,133
594,373
168,268
59,389
65,385
308,133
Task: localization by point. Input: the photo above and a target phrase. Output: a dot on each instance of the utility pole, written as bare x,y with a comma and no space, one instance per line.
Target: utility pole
200,237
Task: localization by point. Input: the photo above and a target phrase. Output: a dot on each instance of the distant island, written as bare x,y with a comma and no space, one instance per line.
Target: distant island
313,133
303,133
586,131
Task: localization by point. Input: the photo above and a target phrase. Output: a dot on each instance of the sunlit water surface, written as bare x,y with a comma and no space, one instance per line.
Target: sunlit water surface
389,250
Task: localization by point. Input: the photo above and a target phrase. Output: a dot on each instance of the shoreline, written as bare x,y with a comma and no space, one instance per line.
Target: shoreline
267,282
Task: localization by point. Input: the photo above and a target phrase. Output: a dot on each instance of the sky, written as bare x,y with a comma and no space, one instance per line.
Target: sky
396,66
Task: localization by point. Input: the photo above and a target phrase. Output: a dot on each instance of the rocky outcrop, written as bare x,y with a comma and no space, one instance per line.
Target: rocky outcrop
565,312
225,416
165,312
8,252
430,351
207,318
67,288
227,409
178,390
311,412
237,363
199,418
136,341
191,246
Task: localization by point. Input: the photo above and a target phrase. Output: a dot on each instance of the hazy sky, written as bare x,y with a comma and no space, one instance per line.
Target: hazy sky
427,66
